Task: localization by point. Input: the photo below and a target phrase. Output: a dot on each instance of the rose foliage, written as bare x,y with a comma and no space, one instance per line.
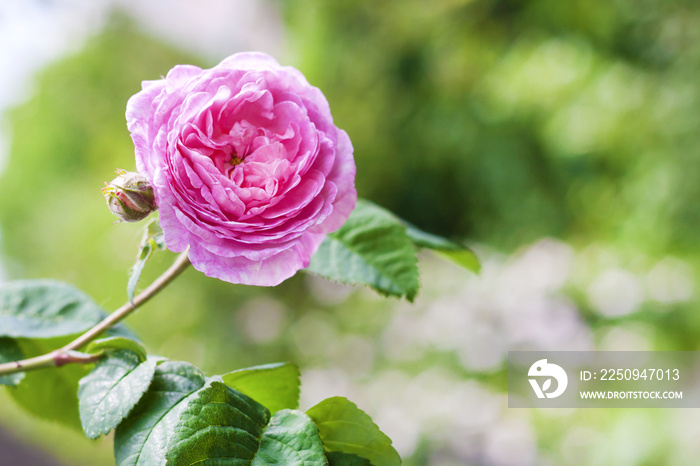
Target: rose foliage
251,176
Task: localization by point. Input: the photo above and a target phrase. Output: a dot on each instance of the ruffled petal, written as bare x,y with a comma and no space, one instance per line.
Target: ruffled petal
247,167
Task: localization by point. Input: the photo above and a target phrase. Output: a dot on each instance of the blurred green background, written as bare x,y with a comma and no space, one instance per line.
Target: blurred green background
560,139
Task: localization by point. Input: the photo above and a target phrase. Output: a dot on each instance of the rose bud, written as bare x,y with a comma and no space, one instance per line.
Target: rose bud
129,196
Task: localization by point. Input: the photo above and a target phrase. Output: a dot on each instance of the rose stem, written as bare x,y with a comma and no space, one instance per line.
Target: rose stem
68,353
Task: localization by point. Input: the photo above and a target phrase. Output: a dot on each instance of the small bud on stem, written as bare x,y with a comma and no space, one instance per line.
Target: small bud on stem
129,196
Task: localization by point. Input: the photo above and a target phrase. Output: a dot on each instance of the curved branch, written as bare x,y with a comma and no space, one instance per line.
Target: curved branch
67,354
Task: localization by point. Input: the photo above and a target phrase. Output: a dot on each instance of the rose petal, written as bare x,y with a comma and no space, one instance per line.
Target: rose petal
247,167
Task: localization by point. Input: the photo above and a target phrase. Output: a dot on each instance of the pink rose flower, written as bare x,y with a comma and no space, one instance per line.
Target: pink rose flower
247,167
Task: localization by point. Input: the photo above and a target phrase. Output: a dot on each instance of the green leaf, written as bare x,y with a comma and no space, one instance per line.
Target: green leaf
136,270
457,253
423,239
337,458
109,393
464,258
219,426
346,428
275,386
50,393
291,438
372,248
44,309
119,330
10,351
142,438
117,343
152,241
40,391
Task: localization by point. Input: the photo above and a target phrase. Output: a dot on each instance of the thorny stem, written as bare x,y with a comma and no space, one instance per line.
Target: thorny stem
69,353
